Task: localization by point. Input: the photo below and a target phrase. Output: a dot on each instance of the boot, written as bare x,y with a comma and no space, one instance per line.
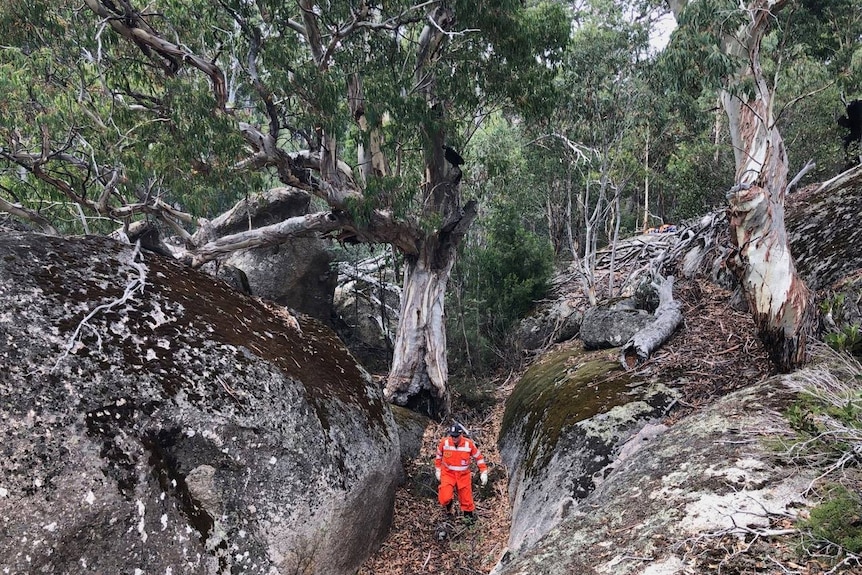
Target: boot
449,508
469,518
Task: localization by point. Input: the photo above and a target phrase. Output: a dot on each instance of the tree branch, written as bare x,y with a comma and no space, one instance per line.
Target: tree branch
29,215
274,234
131,26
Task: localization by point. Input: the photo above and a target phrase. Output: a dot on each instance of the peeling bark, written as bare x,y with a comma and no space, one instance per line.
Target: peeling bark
418,377
781,303
419,374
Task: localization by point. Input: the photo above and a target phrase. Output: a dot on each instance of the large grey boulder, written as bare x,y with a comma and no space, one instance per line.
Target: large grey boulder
152,420
612,325
411,431
706,477
566,424
824,232
554,323
367,306
297,275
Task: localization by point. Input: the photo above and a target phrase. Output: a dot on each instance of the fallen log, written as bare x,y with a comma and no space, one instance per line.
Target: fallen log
668,317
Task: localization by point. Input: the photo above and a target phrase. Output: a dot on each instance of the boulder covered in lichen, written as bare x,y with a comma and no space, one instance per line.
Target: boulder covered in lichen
708,486
152,420
565,425
612,325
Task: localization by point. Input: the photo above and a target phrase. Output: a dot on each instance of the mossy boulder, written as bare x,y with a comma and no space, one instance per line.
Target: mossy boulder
154,420
564,425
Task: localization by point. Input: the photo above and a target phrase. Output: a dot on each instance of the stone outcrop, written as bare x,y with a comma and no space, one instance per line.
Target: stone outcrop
558,322
566,424
153,420
298,275
411,431
612,325
824,232
366,306
708,475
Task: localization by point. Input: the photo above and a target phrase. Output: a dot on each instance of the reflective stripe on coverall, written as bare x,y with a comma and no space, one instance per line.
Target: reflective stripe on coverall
453,461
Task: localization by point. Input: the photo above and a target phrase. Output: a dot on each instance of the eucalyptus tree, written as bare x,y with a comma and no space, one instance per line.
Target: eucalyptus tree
722,40
172,110
598,129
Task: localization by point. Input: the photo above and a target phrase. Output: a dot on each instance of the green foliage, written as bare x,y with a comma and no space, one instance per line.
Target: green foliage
837,519
832,304
828,32
827,414
695,59
97,98
811,417
502,270
845,336
517,266
848,338
695,180
500,281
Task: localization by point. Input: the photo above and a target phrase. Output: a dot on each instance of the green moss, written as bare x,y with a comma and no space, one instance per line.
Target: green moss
565,388
838,519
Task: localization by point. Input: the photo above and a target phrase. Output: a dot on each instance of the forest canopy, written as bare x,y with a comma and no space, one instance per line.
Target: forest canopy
573,128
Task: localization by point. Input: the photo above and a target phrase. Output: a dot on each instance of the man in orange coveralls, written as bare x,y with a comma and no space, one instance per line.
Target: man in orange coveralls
452,468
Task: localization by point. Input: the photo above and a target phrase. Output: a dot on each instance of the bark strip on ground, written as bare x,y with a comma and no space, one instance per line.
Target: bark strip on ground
668,317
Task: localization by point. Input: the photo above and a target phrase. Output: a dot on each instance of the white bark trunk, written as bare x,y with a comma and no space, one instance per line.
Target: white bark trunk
418,376
668,317
779,300
419,373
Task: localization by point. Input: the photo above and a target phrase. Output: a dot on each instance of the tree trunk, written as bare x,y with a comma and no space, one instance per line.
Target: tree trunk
780,302
419,373
778,298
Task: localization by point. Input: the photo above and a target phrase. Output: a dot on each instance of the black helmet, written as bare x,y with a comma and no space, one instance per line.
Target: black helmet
457,430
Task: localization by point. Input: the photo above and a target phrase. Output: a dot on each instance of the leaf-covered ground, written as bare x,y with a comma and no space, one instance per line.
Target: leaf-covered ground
413,545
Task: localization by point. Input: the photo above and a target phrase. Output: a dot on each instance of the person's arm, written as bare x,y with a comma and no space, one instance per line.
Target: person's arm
480,462
438,460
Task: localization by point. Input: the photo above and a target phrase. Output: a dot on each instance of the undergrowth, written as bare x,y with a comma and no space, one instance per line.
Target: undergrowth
827,419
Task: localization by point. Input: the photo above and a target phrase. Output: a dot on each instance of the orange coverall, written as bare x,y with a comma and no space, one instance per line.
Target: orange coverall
453,461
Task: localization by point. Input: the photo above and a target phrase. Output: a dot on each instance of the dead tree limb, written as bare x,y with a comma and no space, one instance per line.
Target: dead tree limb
668,317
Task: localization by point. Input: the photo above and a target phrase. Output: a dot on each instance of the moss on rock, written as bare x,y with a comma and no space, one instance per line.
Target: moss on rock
565,388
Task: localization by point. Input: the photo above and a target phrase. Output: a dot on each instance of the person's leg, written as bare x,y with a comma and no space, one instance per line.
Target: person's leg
446,491
465,494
